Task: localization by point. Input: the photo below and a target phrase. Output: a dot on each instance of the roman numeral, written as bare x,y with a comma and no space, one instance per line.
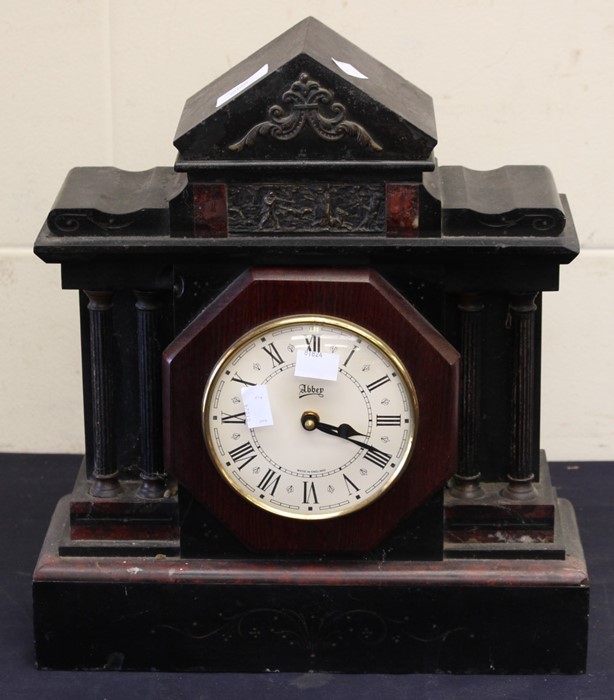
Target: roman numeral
269,481
273,353
233,417
349,357
314,343
388,420
236,378
243,453
378,457
309,492
350,485
378,382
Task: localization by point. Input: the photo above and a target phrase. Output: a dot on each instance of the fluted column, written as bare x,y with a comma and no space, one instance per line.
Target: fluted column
105,482
522,318
466,483
150,401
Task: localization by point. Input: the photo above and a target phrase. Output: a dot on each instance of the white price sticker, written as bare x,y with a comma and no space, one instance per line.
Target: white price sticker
222,99
317,365
349,69
257,406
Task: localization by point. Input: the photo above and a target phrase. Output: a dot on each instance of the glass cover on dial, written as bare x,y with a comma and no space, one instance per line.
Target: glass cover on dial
310,417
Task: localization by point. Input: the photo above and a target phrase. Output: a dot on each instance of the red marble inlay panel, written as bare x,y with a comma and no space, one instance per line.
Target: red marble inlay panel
210,211
402,210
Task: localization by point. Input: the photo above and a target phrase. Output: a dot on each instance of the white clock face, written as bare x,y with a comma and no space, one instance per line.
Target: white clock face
310,417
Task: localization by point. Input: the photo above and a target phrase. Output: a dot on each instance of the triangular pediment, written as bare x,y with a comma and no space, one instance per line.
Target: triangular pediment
309,95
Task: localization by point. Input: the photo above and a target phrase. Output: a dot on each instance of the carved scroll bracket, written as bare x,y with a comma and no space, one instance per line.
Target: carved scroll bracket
309,104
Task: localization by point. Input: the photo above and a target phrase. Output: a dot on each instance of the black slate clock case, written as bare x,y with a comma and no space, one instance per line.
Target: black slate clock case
306,182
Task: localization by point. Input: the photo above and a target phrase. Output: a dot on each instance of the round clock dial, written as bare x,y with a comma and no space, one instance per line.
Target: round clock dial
310,417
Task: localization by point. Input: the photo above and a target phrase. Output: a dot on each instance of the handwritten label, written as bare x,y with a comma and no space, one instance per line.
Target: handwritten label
257,406
317,365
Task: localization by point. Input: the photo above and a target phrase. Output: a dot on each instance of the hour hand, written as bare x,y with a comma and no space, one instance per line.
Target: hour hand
311,421
344,430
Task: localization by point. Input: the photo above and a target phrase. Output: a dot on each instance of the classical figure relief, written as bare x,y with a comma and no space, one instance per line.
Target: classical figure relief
313,208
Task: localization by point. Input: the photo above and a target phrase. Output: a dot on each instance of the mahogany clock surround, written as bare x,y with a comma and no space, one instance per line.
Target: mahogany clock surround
359,296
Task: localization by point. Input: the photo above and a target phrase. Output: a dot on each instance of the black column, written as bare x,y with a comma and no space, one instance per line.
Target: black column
150,400
522,318
105,475
466,483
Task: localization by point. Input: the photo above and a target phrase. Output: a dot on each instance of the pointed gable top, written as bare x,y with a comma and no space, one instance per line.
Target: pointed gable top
309,94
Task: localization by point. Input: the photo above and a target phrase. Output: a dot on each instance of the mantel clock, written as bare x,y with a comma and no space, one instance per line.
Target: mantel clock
311,361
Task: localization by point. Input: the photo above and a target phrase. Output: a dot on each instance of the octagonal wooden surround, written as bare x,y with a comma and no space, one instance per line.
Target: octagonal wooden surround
363,297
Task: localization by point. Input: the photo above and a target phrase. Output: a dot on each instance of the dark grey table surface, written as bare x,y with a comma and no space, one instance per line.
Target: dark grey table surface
31,486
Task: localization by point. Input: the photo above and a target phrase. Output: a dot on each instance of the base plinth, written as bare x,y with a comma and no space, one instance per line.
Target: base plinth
172,614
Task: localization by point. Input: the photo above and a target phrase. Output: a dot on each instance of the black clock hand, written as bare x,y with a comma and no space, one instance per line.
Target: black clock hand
344,430
311,421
